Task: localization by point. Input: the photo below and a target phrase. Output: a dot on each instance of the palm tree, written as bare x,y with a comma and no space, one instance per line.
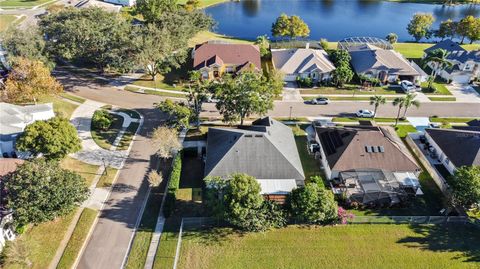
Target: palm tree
377,100
400,102
410,101
439,59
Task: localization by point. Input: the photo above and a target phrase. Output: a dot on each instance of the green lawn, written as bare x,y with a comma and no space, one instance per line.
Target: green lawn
106,180
141,241
347,98
166,251
128,136
73,98
354,119
43,240
21,3
443,99
451,120
205,3
105,138
6,21
403,130
311,167
160,83
78,238
350,246
87,171
440,89
415,50
61,107
146,91
352,89
205,36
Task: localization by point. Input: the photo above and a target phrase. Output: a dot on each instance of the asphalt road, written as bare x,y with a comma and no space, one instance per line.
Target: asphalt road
108,245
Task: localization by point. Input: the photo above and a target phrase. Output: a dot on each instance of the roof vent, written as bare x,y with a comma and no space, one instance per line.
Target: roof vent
248,135
258,135
381,149
368,149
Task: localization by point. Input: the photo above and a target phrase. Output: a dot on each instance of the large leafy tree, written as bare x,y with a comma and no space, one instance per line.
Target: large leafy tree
264,44
290,26
466,186
340,57
28,81
179,113
313,204
438,58
40,191
248,93
54,138
28,43
468,27
419,26
92,35
447,29
198,93
342,74
245,207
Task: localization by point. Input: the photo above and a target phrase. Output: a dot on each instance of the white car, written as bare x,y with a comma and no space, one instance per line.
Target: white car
320,101
365,113
408,86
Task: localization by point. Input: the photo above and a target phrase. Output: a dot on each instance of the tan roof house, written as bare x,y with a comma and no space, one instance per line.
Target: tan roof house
306,62
369,164
214,59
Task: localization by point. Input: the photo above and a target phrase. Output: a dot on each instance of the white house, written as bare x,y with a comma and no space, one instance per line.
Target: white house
466,64
14,119
304,63
455,147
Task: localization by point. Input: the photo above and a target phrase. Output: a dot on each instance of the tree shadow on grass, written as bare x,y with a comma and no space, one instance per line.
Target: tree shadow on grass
447,238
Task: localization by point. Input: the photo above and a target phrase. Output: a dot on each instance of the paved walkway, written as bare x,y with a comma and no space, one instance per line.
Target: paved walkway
91,153
292,94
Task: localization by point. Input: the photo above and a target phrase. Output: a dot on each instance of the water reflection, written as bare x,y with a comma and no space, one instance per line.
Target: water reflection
251,7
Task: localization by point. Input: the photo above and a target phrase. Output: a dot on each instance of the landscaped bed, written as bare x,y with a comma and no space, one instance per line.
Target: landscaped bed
105,138
353,89
350,246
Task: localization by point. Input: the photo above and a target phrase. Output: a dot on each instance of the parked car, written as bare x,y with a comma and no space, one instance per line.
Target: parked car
320,101
365,113
408,86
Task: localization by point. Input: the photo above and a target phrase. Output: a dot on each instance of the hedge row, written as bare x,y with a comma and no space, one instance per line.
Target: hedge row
173,185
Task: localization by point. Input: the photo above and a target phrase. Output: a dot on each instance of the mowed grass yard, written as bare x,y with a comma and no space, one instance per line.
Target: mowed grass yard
351,246
21,3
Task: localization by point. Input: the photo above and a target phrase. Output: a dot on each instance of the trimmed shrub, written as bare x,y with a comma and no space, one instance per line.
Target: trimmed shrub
102,119
173,185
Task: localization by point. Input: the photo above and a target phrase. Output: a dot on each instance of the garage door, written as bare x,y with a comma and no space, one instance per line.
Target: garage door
290,77
461,79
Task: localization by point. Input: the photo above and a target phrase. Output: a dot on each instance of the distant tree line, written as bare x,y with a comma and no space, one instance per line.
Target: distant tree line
420,26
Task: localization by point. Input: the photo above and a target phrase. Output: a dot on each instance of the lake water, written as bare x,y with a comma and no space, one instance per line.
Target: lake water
331,19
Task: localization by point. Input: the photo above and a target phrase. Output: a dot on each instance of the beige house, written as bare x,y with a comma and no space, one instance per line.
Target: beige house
214,59
303,63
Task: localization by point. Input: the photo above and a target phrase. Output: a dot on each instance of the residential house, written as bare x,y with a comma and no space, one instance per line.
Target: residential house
386,65
265,150
7,166
454,147
213,59
303,63
368,164
465,63
14,119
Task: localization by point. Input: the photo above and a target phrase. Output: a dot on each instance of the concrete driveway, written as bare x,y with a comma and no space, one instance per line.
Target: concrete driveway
464,93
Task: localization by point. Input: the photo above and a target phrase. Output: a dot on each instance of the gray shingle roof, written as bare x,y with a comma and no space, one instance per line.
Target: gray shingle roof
460,146
265,150
447,45
368,57
296,61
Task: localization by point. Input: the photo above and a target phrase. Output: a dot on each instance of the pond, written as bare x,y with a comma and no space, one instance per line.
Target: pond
331,19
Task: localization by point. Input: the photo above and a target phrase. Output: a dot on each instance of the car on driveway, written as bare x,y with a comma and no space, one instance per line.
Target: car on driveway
408,86
319,101
365,113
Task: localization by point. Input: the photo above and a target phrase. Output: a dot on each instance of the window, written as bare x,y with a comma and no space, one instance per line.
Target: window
447,161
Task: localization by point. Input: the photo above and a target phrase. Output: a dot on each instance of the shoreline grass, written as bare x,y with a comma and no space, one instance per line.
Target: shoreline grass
78,238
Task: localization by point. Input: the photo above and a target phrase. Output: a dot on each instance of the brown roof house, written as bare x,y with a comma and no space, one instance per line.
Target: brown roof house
368,164
213,59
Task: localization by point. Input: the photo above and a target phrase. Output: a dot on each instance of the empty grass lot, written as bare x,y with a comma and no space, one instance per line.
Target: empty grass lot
43,240
78,238
21,3
351,246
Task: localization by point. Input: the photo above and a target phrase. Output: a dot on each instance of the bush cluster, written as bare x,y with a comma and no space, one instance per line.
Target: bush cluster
102,119
173,185
304,82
